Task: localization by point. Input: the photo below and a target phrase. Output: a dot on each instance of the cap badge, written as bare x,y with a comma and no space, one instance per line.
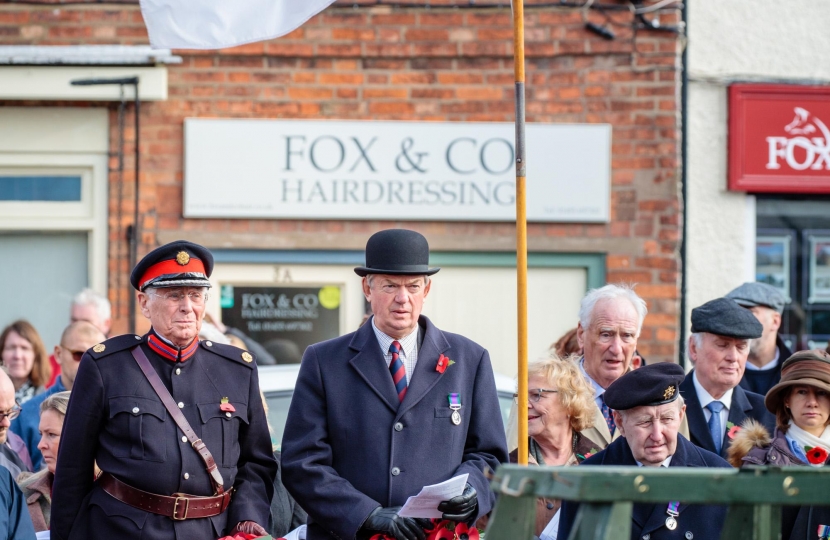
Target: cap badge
668,393
99,348
247,356
182,258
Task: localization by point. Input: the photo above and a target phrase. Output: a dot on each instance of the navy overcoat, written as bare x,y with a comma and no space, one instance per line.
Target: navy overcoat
350,446
744,405
649,520
116,419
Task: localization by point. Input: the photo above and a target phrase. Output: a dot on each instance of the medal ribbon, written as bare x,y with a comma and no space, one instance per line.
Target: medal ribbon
672,508
824,531
455,401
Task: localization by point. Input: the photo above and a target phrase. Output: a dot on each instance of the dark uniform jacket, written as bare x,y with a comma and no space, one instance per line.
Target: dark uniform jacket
350,446
761,381
744,405
648,521
116,419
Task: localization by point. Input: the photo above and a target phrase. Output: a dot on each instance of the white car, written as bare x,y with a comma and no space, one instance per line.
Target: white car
277,383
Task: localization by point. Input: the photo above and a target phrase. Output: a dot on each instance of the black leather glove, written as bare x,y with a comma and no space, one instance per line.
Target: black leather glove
461,509
250,527
388,522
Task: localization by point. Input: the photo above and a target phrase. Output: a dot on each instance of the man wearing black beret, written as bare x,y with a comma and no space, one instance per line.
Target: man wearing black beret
397,405
176,424
648,411
718,348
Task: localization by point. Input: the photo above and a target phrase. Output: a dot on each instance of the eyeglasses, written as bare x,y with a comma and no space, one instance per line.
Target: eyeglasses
534,394
198,298
76,355
12,413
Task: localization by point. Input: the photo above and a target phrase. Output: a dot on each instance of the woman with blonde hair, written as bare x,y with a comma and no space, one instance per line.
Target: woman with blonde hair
24,358
560,405
37,487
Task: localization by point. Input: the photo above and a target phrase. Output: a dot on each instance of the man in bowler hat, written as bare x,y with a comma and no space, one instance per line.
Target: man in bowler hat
648,412
154,483
397,405
718,348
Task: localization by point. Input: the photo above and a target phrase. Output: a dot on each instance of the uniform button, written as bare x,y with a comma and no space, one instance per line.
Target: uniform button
646,537
395,471
178,371
184,439
135,410
689,535
181,405
228,414
138,338
186,476
398,427
209,343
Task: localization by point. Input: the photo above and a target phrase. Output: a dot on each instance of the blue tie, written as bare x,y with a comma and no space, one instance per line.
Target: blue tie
606,412
715,428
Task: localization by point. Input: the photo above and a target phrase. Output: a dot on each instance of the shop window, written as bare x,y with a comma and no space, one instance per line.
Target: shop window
40,188
793,254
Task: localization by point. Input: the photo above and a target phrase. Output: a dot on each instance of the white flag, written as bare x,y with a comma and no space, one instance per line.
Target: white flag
216,24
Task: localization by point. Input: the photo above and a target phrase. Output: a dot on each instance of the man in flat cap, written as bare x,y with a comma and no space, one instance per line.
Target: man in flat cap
649,410
718,347
176,424
395,406
768,352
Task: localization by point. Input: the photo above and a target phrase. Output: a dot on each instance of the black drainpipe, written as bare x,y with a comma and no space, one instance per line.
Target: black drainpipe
684,151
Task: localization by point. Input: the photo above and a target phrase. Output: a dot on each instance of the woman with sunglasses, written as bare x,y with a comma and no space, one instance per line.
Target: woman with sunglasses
560,405
24,358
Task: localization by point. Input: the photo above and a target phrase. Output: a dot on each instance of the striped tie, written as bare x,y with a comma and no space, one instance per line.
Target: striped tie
609,418
398,370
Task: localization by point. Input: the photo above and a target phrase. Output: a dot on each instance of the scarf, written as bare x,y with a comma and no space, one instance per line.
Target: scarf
800,440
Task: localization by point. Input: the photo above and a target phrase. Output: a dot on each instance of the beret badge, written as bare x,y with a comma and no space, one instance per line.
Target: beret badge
182,258
669,392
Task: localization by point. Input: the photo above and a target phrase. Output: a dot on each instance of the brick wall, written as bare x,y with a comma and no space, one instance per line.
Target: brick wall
413,64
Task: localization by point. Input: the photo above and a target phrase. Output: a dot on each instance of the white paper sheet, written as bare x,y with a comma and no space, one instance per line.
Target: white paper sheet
552,529
297,534
425,504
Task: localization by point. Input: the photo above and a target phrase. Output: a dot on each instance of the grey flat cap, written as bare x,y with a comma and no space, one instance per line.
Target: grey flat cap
758,294
725,317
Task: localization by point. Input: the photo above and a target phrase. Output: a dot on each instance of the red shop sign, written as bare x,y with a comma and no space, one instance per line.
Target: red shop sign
779,139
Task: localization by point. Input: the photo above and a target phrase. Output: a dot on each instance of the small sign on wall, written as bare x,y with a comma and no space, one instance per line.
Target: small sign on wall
284,320
424,171
779,138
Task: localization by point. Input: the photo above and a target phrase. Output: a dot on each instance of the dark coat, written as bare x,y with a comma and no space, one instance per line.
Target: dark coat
694,521
116,419
350,446
286,514
761,381
15,523
744,405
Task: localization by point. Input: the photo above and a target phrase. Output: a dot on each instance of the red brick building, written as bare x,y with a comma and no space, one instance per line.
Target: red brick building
360,62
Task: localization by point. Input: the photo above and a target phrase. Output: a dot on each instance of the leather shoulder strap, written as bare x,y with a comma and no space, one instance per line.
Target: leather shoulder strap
178,417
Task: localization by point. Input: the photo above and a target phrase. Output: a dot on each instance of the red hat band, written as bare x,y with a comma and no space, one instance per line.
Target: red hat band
172,266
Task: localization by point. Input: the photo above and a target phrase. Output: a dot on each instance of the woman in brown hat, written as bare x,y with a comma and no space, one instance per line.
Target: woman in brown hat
801,405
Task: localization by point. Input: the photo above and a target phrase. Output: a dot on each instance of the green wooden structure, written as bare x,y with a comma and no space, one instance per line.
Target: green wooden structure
607,494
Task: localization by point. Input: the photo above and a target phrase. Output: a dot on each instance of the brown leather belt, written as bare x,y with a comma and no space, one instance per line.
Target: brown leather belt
179,507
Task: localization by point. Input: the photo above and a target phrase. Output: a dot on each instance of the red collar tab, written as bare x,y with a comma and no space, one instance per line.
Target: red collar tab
169,352
180,265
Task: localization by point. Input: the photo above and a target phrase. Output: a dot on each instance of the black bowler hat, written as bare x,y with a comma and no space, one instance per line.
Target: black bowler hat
655,384
177,264
397,252
724,317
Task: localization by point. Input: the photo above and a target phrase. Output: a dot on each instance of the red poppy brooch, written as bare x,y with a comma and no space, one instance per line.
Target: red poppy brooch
443,363
733,430
225,406
816,455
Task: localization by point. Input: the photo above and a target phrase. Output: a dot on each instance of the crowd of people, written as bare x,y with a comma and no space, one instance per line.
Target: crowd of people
165,435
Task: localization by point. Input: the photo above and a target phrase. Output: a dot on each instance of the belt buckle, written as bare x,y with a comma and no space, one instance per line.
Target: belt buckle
176,508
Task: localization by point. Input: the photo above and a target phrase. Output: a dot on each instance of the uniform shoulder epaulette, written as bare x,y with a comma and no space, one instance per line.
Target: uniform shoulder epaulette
230,352
114,345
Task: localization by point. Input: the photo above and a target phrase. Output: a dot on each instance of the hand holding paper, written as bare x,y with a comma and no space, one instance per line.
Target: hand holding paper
426,503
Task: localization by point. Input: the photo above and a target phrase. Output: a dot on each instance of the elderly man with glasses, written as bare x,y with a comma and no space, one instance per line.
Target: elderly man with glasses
76,339
176,424
9,410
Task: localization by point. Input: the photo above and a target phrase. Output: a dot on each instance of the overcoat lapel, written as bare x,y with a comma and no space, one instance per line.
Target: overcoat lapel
371,366
698,427
601,426
425,376
738,412
657,517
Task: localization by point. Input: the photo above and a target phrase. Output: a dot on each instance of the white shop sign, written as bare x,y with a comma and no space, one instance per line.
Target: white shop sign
429,171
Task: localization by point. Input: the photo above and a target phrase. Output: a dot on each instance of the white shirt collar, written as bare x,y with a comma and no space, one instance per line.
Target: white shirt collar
664,464
705,398
771,365
407,342
598,390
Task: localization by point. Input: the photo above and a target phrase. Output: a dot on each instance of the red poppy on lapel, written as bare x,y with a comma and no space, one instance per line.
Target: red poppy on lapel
816,454
443,363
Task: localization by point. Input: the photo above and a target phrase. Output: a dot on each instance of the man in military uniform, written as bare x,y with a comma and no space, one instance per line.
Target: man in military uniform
154,482
397,405
648,413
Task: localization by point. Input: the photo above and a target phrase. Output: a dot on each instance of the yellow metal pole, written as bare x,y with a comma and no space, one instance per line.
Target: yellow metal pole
521,222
